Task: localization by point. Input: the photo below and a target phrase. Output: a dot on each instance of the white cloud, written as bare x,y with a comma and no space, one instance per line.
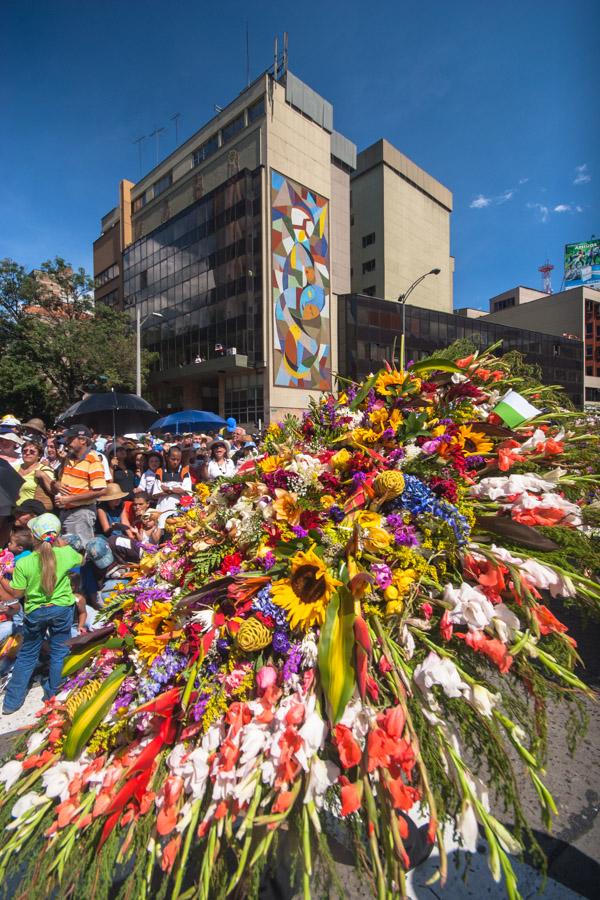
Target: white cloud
581,174
579,209
543,211
480,202
562,207
523,180
505,197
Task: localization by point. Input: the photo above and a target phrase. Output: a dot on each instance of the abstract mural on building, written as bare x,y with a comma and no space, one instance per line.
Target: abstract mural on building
300,247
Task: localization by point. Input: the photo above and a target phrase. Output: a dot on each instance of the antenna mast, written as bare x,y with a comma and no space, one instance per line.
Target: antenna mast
139,142
546,271
157,133
175,119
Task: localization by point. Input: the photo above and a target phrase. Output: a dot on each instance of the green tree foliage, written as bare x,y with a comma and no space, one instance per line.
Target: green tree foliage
55,341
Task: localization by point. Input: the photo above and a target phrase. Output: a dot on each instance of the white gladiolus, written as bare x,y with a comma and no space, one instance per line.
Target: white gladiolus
470,606
57,779
313,733
441,671
35,741
483,700
468,827
542,577
27,803
323,774
10,773
505,623
509,485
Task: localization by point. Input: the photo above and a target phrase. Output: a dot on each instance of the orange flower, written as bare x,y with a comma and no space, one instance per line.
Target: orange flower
403,796
490,647
169,854
380,748
547,620
283,802
351,796
286,507
166,820
348,749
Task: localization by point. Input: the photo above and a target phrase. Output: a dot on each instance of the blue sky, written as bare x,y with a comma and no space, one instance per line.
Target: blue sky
497,101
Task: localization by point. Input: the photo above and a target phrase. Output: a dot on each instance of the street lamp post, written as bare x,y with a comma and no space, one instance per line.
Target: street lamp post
402,300
139,324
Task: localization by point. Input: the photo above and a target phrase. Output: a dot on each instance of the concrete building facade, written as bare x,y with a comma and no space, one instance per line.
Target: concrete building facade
515,297
400,229
573,313
238,246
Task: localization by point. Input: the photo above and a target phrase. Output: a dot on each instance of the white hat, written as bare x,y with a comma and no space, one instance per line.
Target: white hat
10,420
11,436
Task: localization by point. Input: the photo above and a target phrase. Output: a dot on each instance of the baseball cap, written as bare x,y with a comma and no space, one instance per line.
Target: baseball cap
46,526
77,431
74,541
98,551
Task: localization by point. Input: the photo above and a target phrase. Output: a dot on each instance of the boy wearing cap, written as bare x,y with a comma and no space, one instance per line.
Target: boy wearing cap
81,482
42,579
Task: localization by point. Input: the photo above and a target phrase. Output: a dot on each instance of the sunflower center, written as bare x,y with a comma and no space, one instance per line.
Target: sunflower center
307,585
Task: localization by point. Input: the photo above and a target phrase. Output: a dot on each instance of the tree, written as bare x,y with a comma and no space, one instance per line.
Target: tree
55,340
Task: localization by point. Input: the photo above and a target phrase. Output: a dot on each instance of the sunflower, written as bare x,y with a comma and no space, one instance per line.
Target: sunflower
306,593
389,380
154,631
472,443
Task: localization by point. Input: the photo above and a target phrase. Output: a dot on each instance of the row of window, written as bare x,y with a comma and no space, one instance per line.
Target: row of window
207,149
503,304
107,275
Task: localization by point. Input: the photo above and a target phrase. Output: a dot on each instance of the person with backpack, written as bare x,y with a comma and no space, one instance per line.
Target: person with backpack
42,580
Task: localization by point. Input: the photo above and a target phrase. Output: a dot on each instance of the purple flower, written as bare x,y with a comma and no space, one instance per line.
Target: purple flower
335,513
383,575
268,560
223,645
199,708
292,663
406,536
281,643
299,531
359,478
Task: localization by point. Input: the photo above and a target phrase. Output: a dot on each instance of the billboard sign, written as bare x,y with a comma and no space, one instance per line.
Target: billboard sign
582,264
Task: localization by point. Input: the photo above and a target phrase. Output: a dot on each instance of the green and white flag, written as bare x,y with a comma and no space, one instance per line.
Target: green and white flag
514,409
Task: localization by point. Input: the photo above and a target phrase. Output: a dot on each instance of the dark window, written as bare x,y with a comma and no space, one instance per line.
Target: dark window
256,111
233,127
205,150
589,370
368,239
368,266
138,203
163,183
352,219
143,279
107,275
369,291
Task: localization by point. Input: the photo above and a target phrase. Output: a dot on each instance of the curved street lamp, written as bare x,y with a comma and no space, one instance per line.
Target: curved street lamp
402,298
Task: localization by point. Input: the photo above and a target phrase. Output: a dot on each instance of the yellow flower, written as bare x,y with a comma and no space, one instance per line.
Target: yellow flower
473,443
286,507
306,593
374,536
269,463
327,501
379,417
389,484
202,490
341,459
153,632
402,580
387,380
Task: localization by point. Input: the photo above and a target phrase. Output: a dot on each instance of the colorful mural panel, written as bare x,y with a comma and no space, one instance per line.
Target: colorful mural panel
301,302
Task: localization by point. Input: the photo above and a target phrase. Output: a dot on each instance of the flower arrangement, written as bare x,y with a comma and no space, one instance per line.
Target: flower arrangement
352,629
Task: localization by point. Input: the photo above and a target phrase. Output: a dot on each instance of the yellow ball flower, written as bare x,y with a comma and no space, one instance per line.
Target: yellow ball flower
252,635
389,484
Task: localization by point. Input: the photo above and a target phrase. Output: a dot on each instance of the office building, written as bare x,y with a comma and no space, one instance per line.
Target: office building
400,229
368,325
234,249
575,313
515,297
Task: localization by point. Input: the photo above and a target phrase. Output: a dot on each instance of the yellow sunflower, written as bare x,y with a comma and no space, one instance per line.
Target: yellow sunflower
387,382
473,443
153,632
306,593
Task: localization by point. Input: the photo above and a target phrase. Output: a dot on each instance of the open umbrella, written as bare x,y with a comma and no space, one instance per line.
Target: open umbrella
110,413
188,420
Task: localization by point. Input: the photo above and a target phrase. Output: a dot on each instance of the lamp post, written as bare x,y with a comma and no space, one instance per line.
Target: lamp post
402,300
139,324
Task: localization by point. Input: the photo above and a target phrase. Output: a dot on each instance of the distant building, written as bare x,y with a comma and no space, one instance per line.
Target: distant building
400,229
515,297
367,327
575,313
470,312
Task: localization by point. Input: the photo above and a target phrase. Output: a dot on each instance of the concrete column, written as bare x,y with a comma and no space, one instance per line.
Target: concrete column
221,395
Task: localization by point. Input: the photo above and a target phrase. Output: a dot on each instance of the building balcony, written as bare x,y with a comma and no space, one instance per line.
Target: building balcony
205,370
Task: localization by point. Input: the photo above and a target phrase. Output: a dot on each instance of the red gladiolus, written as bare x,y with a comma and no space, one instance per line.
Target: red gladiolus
348,749
283,802
350,796
490,647
169,854
403,796
547,621
380,748
446,627
393,721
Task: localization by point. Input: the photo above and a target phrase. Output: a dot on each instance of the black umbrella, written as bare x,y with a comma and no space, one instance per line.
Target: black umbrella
110,413
10,485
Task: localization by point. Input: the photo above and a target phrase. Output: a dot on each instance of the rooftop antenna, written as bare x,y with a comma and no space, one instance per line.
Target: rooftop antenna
175,119
546,271
157,133
139,142
275,54
285,52
247,55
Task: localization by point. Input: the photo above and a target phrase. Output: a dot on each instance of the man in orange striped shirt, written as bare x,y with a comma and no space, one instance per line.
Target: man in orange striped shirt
81,481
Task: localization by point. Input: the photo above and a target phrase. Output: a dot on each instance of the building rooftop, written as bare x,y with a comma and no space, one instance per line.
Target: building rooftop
382,152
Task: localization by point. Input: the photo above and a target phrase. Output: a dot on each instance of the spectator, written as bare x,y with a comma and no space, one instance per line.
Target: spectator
51,457
139,467
238,439
34,429
171,484
10,448
112,515
38,478
219,466
144,525
81,482
122,473
153,463
43,580
20,545
27,511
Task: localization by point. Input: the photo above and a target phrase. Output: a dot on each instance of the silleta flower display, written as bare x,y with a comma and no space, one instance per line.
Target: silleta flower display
359,630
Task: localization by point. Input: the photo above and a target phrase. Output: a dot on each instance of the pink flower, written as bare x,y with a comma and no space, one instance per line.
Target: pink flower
266,677
235,678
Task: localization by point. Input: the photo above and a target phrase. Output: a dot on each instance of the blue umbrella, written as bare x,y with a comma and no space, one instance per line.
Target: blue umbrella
188,420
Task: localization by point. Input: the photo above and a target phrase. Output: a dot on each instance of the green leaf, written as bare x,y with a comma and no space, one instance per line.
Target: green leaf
90,714
336,646
78,659
363,391
438,363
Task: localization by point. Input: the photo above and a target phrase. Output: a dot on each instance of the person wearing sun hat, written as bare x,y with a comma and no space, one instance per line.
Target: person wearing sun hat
112,514
42,580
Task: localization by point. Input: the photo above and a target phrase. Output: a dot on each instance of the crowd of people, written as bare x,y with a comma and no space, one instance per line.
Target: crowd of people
88,506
